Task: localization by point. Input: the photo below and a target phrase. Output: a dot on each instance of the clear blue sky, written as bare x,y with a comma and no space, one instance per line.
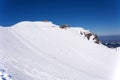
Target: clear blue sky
99,16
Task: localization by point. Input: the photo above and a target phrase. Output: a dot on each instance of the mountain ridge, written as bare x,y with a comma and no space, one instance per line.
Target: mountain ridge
86,33
43,51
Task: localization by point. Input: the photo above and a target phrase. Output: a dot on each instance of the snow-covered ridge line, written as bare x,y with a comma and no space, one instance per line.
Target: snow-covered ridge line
37,23
47,24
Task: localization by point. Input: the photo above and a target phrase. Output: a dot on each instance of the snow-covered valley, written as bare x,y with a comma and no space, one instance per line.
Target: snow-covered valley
43,51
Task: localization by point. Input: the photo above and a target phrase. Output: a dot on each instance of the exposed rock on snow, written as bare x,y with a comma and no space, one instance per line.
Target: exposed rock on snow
64,26
86,34
91,36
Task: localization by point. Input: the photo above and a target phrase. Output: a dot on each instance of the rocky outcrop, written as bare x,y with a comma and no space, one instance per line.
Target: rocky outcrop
91,36
84,33
64,26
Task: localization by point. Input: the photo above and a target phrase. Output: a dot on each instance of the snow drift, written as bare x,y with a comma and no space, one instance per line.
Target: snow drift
43,51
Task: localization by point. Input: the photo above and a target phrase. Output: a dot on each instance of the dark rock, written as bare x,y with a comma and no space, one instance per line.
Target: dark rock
65,26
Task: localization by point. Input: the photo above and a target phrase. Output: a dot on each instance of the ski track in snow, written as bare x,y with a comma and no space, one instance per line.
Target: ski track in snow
36,50
27,69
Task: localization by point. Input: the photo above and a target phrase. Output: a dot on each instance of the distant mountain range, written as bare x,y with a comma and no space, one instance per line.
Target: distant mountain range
112,41
109,38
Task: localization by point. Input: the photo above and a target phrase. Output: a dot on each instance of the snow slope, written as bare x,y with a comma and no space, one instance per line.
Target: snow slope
43,51
117,49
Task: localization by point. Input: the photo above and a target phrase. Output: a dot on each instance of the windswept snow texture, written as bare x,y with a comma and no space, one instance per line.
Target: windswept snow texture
43,51
4,75
118,49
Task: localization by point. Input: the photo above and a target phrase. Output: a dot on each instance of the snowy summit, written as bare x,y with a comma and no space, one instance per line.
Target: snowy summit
44,51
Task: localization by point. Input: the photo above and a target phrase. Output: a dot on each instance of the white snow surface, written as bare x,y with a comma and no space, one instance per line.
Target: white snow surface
117,49
43,51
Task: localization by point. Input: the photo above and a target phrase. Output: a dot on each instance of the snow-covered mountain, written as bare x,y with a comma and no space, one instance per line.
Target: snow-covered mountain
43,51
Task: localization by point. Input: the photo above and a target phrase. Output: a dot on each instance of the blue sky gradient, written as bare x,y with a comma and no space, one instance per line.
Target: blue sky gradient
99,16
